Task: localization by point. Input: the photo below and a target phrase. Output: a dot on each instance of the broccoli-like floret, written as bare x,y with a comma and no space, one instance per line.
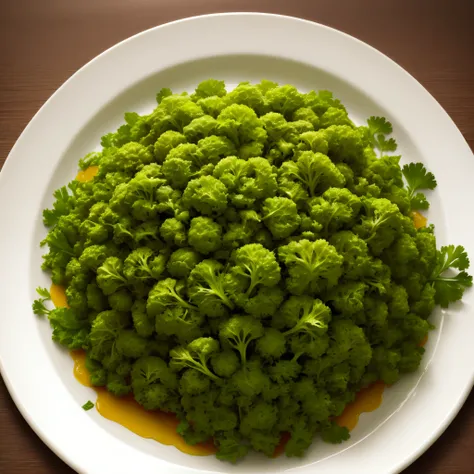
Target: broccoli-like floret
265,302
239,332
272,345
104,332
293,190
170,202
195,356
166,142
94,232
117,385
349,344
96,300
182,261
398,303
208,288
199,128
143,324
142,265
256,264
210,88
165,294
205,235
212,105
230,446
110,276
309,344
348,298
246,181
214,148
284,99
180,164
305,113
121,300
206,194
97,373
225,363
243,128
381,225
384,172
335,209
77,297
335,116
281,217
315,142
70,327
313,266
358,264
315,171
130,344
153,383
347,144
73,268
93,257
173,231
385,364
301,436
284,371
402,256
243,231
303,314
128,158
320,101
426,303
262,416
249,382
334,434
180,322
193,383
249,95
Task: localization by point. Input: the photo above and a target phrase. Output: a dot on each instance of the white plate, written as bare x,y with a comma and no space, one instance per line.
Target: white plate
233,47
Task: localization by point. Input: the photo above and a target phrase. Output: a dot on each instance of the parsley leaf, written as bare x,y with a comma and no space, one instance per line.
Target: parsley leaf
417,177
88,406
450,288
118,138
43,292
38,305
58,242
378,128
379,125
91,159
61,207
39,308
165,92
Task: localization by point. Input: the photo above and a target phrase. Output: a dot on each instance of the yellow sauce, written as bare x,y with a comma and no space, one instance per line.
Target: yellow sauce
125,411
58,296
280,449
419,219
162,426
424,341
367,400
88,174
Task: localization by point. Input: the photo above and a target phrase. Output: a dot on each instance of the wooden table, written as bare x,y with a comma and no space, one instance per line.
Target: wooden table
43,42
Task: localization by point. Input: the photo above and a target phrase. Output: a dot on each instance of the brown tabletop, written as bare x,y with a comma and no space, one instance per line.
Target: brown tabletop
43,42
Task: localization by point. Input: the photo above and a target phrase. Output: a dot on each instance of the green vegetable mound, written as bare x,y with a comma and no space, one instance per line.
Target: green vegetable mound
248,261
